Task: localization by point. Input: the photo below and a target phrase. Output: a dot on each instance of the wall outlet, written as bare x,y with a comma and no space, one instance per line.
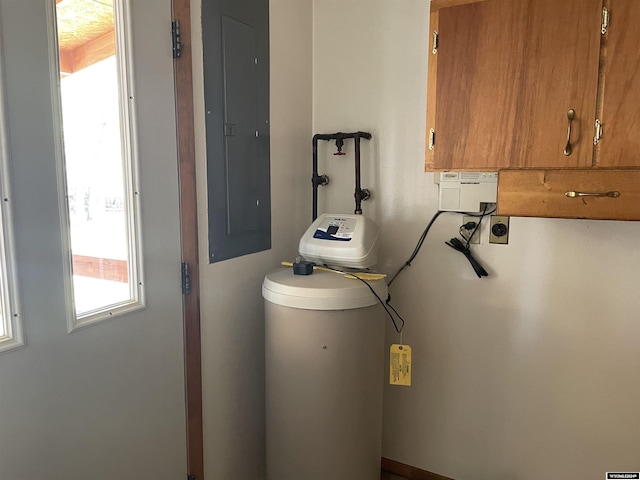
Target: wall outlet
475,239
499,231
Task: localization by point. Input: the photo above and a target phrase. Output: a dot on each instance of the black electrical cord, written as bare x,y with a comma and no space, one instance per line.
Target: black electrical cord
482,215
464,247
455,243
474,226
417,249
384,304
461,247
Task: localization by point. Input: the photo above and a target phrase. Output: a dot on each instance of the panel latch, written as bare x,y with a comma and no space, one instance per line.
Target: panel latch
186,278
176,39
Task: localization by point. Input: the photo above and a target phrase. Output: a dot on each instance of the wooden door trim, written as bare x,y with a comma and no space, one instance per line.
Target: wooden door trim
189,229
409,472
438,4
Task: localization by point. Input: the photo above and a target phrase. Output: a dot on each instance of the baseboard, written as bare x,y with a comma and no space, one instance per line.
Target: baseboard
409,472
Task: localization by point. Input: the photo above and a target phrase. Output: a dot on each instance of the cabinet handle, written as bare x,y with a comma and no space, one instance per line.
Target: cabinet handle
613,194
434,48
571,114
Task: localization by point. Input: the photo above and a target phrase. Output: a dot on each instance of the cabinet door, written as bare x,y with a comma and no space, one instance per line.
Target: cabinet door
506,74
587,193
620,144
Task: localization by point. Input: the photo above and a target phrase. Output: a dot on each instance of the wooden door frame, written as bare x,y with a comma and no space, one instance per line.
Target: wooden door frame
189,229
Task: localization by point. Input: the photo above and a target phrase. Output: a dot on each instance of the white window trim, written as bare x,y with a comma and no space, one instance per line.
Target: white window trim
10,299
128,123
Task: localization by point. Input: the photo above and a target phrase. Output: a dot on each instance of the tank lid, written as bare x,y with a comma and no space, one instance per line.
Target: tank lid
320,291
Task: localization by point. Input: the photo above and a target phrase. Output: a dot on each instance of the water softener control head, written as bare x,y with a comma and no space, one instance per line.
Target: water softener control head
342,240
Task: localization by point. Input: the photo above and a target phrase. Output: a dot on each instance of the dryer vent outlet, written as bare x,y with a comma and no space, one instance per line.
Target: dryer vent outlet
499,231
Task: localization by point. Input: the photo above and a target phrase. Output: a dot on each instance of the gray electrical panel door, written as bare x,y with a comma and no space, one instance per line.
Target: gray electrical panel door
236,83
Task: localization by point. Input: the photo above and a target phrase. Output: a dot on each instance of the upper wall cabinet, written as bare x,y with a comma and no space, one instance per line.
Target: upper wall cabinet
512,84
547,92
620,86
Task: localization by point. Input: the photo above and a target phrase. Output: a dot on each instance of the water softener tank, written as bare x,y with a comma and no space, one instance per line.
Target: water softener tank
324,376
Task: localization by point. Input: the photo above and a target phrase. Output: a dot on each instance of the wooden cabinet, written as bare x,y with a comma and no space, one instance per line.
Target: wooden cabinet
620,102
583,193
503,76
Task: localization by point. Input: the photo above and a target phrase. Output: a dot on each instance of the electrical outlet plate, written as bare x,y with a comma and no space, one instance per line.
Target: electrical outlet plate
499,230
476,236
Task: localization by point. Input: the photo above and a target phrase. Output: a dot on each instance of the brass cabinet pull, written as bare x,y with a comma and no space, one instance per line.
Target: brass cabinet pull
613,194
571,114
434,46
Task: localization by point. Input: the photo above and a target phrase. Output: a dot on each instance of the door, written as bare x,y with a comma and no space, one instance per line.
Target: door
620,114
506,75
104,401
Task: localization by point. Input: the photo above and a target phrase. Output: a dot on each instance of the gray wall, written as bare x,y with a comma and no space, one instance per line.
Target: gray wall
515,376
527,374
232,306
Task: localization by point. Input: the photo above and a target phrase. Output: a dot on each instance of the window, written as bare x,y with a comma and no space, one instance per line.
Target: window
10,321
102,196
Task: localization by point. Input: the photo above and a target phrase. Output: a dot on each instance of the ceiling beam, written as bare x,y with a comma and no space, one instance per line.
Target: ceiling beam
88,53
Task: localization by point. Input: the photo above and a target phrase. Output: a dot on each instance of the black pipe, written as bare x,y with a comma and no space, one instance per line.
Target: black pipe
318,180
315,178
358,193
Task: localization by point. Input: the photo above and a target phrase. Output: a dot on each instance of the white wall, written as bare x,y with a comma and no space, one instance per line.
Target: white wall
232,305
527,374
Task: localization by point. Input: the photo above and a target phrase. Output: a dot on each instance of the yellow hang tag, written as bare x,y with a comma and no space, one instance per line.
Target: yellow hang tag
400,365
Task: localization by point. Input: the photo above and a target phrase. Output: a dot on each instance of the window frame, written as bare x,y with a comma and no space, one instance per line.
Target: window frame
129,145
11,318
